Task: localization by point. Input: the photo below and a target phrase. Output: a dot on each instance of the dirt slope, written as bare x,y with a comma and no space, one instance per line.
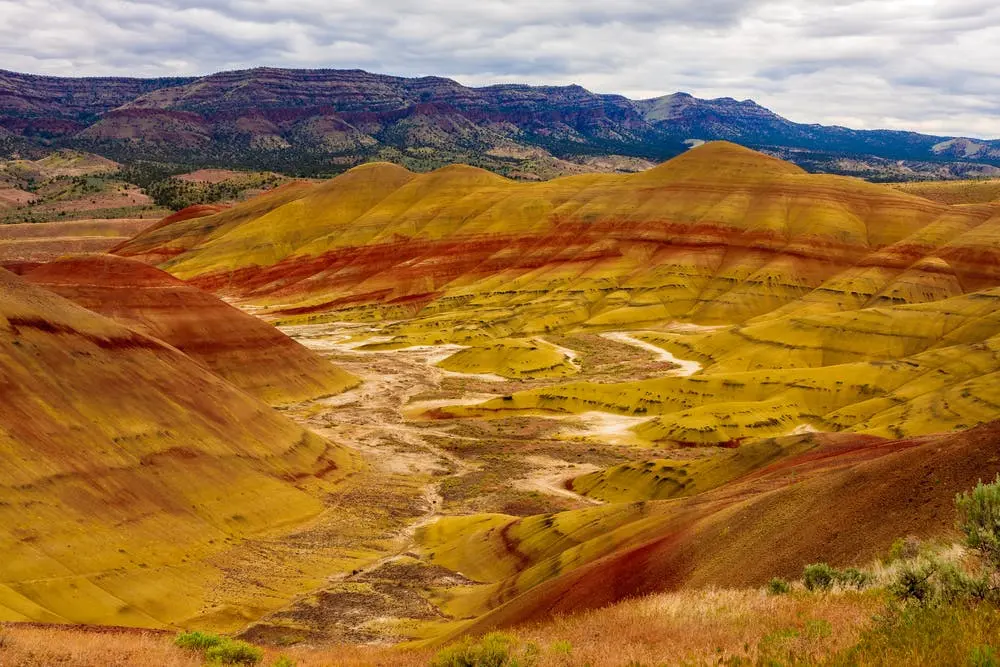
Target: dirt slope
242,349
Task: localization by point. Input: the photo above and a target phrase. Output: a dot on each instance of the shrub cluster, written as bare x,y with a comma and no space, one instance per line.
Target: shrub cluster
496,649
822,577
220,650
933,582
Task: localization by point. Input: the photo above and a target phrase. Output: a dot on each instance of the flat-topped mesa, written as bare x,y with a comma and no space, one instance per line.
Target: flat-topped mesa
249,353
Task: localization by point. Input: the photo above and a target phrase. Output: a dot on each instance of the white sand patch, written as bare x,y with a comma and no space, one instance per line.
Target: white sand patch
803,429
487,377
687,327
613,428
550,475
570,355
686,367
415,408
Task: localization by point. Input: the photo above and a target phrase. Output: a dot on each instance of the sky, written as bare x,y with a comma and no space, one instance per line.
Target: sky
930,66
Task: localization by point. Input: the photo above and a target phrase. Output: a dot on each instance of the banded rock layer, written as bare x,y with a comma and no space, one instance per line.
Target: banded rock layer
248,353
129,472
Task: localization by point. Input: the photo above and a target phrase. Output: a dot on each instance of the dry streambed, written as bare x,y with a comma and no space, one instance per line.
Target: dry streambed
424,470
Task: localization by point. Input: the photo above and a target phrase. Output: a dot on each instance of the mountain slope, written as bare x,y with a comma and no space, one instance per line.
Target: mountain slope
308,121
248,353
129,472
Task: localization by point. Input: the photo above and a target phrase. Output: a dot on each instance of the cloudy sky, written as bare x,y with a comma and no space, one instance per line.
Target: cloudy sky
926,65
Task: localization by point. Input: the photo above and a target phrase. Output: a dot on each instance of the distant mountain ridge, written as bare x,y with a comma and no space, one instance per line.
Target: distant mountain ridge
324,121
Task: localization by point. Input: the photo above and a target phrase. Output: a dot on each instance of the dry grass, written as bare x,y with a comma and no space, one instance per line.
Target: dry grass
702,627
32,646
690,627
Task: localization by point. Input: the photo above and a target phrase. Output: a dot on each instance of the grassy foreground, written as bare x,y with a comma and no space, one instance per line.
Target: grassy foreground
922,604
731,627
852,618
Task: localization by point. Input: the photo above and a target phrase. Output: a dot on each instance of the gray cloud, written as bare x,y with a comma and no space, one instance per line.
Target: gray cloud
908,64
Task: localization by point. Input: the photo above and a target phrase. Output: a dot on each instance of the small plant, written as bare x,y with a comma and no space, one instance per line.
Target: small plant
778,586
234,652
979,519
197,640
562,647
819,577
219,650
493,650
914,583
904,548
984,656
284,661
854,578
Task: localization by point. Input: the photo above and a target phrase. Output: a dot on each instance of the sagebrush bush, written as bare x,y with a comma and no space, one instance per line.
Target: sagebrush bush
955,585
778,586
234,652
854,578
496,649
819,577
218,649
979,519
197,640
913,583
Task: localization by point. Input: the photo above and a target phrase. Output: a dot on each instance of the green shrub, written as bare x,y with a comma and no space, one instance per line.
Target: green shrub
819,577
562,647
220,650
904,548
984,656
234,652
954,585
197,640
979,519
493,650
914,583
778,586
854,578
284,661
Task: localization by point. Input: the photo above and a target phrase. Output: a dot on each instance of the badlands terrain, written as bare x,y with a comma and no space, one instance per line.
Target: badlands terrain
358,420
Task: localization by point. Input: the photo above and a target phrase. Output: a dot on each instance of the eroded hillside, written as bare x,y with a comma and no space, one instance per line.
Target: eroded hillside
572,392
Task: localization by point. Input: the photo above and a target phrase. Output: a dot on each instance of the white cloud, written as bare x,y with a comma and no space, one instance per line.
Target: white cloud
927,65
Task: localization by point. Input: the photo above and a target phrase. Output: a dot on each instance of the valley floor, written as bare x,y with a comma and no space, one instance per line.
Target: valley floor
418,471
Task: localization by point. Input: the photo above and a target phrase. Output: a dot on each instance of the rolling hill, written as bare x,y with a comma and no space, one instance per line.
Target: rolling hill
129,472
705,374
839,304
829,340
250,354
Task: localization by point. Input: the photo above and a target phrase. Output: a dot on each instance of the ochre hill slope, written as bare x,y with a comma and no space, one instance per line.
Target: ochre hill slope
184,230
131,476
28,244
718,235
838,500
242,349
845,305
